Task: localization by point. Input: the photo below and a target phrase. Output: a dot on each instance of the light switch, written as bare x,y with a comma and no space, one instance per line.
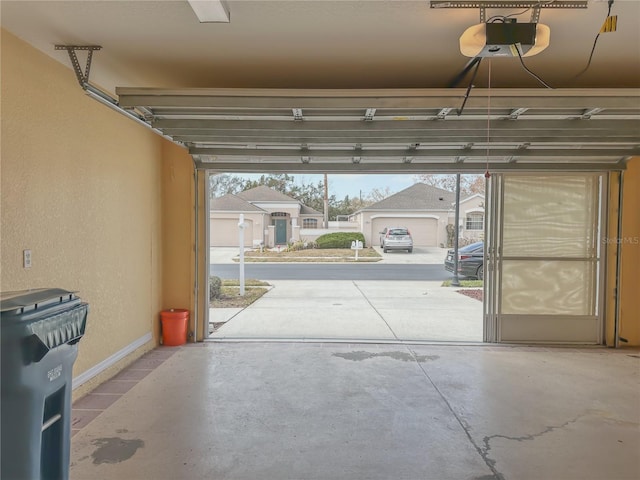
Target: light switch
26,258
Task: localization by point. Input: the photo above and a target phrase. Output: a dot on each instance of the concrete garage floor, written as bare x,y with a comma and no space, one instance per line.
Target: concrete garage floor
276,411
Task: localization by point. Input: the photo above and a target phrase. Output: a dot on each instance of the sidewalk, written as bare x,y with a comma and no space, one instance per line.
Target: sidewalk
427,255
364,310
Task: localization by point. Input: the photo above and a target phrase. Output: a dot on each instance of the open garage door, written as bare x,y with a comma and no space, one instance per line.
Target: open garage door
423,230
544,285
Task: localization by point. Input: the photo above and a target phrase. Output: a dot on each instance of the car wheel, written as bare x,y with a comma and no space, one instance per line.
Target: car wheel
480,272
384,250
410,250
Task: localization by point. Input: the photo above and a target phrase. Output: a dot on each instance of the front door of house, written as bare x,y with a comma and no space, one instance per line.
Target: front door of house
281,231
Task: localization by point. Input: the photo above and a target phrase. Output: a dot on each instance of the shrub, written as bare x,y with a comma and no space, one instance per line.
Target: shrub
300,245
339,239
215,285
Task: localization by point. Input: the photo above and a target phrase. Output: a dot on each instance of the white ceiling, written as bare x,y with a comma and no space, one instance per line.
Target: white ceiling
318,44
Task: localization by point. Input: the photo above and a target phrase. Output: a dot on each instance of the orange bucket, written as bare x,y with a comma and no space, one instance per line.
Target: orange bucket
175,323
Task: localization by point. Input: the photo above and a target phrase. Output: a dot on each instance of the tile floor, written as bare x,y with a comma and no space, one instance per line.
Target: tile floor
87,408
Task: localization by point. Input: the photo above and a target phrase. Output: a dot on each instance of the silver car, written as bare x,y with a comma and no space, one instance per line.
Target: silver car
396,238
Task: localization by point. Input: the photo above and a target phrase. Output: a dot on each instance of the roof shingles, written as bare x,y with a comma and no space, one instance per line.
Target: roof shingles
417,197
263,193
232,203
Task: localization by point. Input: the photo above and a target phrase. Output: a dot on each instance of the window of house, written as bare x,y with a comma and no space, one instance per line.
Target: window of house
475,221
278,214
309,223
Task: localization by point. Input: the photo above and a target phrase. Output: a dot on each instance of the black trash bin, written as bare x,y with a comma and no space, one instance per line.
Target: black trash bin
39,331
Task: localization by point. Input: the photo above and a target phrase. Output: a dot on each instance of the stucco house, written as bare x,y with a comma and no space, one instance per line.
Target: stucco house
471,217
426,211
271,218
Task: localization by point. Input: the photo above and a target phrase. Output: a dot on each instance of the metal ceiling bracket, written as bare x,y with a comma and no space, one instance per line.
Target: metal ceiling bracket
516,113
443,113
535,14
586,115
83,77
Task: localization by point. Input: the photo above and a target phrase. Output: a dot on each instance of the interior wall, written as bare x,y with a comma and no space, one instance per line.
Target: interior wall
630,251
81,188
177,229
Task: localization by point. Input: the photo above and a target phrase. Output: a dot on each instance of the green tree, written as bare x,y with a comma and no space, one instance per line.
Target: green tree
469,184
225,183
281,182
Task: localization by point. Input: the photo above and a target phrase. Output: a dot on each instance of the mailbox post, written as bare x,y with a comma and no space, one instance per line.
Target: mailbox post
356,245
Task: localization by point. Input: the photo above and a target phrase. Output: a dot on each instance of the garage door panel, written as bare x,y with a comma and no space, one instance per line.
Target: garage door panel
423,230
224,232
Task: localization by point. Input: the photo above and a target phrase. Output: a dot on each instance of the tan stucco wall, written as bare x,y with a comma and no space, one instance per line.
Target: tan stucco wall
81,188
475,204
178,230
630,246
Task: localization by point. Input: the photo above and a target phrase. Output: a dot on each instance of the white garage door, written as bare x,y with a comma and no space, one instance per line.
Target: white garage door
423,230
224,233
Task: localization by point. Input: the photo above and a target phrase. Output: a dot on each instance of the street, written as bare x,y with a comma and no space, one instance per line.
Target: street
324,271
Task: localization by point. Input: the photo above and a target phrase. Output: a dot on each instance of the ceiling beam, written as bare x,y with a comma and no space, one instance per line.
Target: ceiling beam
400,167
379,98
508,4
415,154
426,137
459,125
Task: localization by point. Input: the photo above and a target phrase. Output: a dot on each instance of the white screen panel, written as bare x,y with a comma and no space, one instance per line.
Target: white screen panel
535,287
550,216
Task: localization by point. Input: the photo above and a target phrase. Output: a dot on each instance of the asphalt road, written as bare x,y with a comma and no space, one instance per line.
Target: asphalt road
324,271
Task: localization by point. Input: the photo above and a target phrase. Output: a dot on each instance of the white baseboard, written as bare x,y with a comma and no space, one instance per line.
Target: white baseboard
112,360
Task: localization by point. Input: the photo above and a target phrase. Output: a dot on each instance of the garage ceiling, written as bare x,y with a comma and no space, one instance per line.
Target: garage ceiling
315,86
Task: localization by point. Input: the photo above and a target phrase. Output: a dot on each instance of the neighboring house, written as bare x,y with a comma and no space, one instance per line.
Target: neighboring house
471,217
426,211
423,209
271,218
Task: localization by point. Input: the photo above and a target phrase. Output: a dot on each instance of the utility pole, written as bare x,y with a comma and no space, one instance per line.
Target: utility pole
456,281
326,202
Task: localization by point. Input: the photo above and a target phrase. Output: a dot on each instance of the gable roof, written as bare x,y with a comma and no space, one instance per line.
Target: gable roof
474,195
263,193
232,203
304,210
417,197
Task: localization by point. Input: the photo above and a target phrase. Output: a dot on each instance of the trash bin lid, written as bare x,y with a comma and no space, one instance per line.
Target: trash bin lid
31,298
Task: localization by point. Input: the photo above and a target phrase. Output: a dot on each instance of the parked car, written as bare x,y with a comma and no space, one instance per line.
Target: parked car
396,238
470,260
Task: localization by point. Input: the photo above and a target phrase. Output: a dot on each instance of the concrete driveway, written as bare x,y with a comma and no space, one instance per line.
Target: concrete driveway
377,311
420,255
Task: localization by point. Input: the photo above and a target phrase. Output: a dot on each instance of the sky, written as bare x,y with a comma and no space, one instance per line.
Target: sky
342,185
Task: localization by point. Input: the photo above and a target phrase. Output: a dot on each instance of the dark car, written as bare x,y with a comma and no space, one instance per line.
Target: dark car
470,260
